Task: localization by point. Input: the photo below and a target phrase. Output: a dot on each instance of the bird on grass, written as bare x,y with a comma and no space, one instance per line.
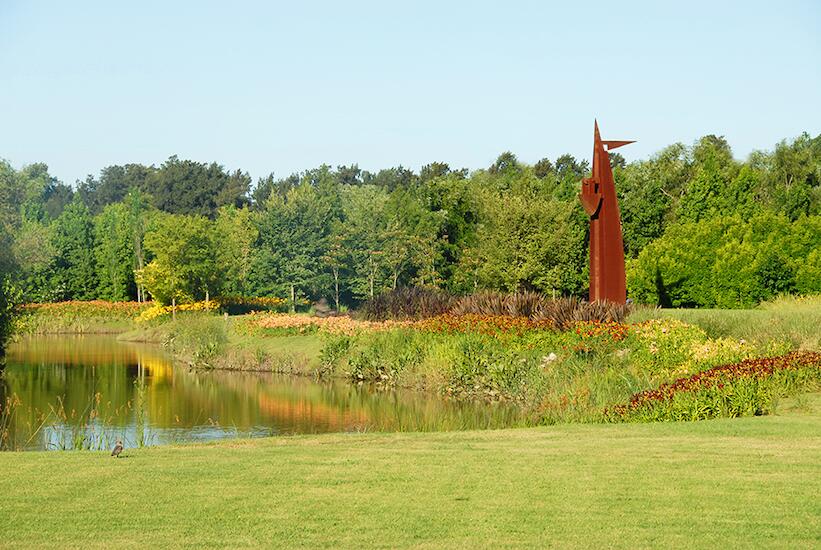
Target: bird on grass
118,448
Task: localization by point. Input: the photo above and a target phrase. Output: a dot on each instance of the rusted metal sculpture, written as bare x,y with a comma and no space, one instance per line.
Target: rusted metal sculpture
598,198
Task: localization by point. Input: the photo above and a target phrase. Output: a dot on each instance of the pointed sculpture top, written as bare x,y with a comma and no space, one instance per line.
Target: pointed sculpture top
610,144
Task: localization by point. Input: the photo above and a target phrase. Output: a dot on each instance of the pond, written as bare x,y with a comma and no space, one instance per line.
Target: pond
86,392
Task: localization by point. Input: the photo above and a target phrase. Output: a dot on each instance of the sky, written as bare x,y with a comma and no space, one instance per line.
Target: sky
285,86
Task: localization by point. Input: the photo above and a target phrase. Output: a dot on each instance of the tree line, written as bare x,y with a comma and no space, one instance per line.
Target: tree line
701,229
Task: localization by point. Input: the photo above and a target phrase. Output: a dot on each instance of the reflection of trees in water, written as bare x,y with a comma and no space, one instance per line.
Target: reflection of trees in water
75,374
304,404
75,369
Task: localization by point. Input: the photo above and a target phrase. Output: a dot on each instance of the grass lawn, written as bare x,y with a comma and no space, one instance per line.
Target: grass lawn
747,482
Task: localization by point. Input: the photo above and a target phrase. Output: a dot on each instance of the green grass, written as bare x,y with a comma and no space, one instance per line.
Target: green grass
78,317
793,319
193,334
751,482
297,354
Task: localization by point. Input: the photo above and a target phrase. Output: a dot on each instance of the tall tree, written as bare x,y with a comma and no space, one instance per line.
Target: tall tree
73,238
365,232
292,237
236,233
185,266
114,253
189,187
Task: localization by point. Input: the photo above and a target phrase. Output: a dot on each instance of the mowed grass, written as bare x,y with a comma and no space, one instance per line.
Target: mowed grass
752,482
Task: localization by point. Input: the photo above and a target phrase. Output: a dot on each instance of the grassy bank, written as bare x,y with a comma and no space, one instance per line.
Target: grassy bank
748,482
94,317
573,375
555,376
796,320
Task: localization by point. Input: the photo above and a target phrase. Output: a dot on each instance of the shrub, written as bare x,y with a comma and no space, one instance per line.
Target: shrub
563,313
483,367
199,338
482,324
239,305
520,304
385,356
7,308
334,350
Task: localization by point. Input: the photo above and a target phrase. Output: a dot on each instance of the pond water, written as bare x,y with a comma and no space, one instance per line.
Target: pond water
86,392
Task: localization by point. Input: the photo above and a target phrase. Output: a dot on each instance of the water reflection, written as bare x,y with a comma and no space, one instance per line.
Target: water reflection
89,391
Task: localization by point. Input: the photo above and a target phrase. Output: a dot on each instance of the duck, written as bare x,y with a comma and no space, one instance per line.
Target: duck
118,448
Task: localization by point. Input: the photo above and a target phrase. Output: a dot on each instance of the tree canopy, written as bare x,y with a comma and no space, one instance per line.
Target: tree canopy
700,228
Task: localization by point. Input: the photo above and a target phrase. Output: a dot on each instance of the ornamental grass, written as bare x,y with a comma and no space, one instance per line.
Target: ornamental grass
421,303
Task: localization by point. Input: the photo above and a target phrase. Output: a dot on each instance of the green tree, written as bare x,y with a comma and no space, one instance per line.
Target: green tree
75,276
456,200
236,233
543,168
189,187
292,240
34,259
114,185
139,211
8,223
336,258
184,265
365,232
526,244
114,253
727,262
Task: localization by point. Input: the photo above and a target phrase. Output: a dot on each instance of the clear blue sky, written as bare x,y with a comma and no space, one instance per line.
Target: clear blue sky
284,86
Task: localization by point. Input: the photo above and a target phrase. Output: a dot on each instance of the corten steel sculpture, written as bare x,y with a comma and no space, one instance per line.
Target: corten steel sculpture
598,198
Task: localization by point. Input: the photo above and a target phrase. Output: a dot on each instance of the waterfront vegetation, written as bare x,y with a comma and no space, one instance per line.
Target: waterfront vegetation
582,372
747,482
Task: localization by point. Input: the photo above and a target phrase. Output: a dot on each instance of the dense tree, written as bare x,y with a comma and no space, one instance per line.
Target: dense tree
237,234
269,185
185,265
727,262
114,184
138,212
543,168
456,201
41,195
114,253
700,228
438,170
75,274
349,175
522,245
391,178
34,259
792,184
189,187
292,239
364,237
9,197
505,163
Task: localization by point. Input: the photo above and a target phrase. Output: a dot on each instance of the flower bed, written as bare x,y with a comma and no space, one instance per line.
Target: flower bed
745,388
231,304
